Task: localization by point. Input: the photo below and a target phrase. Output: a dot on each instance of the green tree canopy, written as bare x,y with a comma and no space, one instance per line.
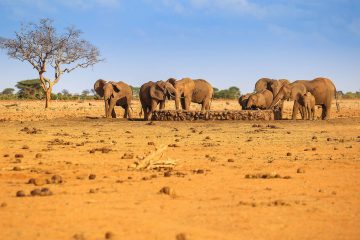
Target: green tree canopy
30,89
230,93
8,91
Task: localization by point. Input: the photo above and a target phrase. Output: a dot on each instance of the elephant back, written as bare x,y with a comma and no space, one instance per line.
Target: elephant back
202,91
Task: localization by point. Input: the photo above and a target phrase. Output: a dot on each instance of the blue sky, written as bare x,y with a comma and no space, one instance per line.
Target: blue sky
228,42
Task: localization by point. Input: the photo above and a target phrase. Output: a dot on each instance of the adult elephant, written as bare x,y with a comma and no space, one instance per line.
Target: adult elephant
189,90
260,100
323,89
154,93
114,93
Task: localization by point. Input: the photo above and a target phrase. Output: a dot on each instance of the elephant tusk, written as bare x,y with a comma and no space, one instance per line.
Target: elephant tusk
172,95
276,103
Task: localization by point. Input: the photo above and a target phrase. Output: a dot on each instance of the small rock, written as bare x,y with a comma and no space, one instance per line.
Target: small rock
16,168
231,160
19,155
181,236
109,235
6,155
313,149
25,147
167,190
79,236
173,145
314,137
300,170
151,143
92,176
167,174
35,192
20,193
56,179
128,156
200,171
4,204
288,154
92,190
38,155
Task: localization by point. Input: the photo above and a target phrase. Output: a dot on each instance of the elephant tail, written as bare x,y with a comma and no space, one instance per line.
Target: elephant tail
211,99
336,101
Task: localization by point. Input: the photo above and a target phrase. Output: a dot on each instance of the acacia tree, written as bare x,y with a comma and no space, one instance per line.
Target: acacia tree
41,46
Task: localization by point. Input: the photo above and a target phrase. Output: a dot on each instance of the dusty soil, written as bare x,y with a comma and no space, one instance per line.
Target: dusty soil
231,179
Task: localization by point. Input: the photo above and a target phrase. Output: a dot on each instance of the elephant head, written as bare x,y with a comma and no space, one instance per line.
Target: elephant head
243,99
254,101
263,83
160,90
99,87
283,94
276,85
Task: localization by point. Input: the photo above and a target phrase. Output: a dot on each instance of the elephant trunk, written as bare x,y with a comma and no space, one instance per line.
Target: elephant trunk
276,101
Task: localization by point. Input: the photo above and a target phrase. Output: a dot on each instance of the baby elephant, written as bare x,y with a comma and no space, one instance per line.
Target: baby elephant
260,100
307,102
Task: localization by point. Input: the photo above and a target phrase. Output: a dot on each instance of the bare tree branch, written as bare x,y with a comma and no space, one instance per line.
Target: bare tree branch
41,46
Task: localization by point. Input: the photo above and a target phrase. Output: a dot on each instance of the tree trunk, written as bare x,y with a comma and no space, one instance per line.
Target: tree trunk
48,97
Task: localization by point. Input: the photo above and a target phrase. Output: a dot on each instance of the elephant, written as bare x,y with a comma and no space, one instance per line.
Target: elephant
260,100
274,86
153,93
189,90
243,99
323,90
114,93
307,102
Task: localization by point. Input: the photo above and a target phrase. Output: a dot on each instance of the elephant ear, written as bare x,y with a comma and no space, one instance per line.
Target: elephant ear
172,81
157,92
116,86
99,87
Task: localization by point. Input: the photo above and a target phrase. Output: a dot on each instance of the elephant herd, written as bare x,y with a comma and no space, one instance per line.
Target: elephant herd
152,94
268,94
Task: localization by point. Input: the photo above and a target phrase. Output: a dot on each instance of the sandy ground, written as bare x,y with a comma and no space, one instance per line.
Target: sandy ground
232,179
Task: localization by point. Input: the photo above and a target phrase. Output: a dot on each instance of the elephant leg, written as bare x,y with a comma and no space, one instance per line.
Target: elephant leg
126,111
152,108
308,112
162,105
206,105
187,104
106,107
295,110
111,109
323,113
145,110
328,110
183,103
129,111
113,113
